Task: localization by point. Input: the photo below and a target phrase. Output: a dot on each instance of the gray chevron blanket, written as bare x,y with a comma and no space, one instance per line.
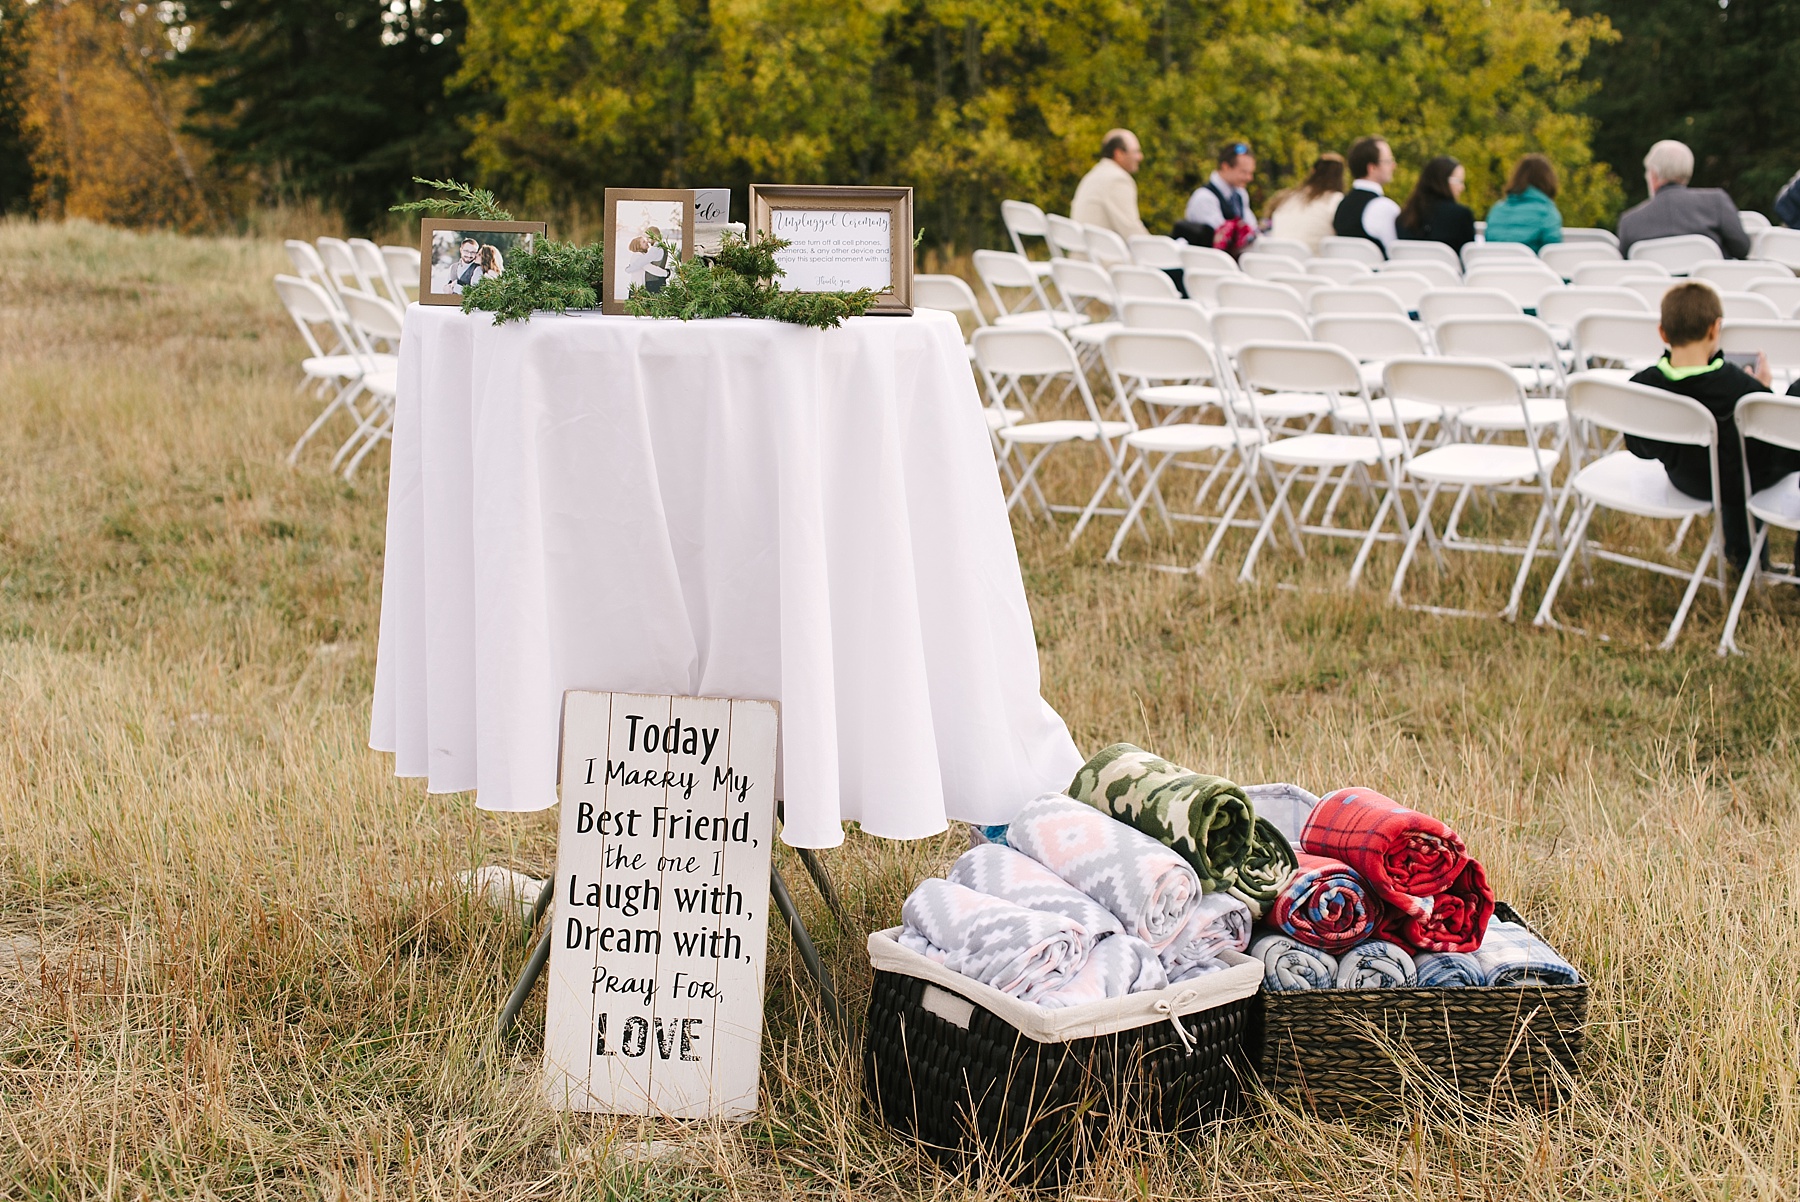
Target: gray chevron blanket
1025,953
1013,876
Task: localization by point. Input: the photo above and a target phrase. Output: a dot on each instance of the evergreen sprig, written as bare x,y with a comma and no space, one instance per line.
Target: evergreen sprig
478,204
739,281
554,276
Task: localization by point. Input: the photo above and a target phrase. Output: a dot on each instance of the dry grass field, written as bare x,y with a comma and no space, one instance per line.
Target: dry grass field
229,966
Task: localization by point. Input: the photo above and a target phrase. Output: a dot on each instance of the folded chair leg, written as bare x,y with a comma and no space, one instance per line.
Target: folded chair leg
1687,598
1511,612
340,401
1681,532
1028,479
1381,511
1728,640
1412,544
1246,575
1137,507
1247,484
1577,533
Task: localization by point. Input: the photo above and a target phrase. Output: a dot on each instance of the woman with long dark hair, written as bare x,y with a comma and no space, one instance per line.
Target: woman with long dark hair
1528,212
1435,212
1304,213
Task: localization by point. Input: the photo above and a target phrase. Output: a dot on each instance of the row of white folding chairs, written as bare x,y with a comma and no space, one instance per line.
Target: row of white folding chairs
360,379
336,264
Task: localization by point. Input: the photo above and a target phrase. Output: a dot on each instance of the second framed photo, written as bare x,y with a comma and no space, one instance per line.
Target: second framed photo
648,231
456,254
840,239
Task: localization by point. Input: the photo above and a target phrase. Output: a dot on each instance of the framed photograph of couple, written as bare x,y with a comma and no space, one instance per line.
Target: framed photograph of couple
648,231
841,239
456,253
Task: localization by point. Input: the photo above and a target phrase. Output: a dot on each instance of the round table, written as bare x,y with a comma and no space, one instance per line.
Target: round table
726,508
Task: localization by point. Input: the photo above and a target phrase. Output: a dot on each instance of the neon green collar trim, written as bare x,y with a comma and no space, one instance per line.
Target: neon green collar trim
1682,373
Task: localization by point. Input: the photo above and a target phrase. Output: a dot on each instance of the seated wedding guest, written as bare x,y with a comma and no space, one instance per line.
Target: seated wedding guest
1435,212
1304,213
1528,212
1787,203
1674,208
1107,195
1692,315
1218,213
1365,212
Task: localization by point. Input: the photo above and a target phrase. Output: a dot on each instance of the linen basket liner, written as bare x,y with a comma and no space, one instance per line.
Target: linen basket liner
1241,979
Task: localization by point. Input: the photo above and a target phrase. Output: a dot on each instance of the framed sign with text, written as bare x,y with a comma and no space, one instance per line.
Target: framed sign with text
841,239
660,923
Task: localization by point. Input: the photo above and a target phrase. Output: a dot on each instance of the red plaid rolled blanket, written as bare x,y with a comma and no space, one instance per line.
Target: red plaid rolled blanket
1458,919
1405,856
1325,905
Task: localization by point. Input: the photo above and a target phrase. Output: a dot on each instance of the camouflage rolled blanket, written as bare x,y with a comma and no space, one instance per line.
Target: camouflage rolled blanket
1265,870
1206,819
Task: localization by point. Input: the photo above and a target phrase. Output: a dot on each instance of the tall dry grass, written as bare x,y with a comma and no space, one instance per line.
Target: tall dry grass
227,967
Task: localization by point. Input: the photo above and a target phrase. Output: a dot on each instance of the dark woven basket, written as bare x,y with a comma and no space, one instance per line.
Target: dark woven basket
1338,1052
990,1096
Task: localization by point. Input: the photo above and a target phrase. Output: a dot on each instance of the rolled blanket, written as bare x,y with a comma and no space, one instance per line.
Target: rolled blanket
1324,905
1220,923
1205,818
1376,964
1290,965
1025,953
1456,922
1266,868
1287,806
1118,965
1449,970
1145,885
1405,856
1014,876
1512,955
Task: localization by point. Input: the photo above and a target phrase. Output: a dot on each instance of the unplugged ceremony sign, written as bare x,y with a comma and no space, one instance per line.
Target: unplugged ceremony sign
835,250
661,913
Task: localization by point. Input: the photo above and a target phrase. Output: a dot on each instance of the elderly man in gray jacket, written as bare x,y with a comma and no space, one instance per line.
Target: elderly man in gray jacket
1674,208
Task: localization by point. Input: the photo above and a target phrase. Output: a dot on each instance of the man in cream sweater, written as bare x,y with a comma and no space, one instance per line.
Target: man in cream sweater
1107,195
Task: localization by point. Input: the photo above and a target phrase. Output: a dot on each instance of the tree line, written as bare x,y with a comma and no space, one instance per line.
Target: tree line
193,113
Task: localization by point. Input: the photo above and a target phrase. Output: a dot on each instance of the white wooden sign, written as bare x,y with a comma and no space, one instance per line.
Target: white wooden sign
662,896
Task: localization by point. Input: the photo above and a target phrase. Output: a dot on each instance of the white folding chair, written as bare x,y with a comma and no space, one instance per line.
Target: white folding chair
1066,237
1087,292
1002,271
1203,286
1104,246
1305,285
1561,309
1778,340
1629,339
1235,328
951,294
1565,257
1340,271
403,266
1293,248
342,371
1247,293
1260,265
1778,245
1209,259
1749,306
1372,339
1168,315
1785,294
1441,304
1650,288
1132,282
1480,254
1412,253
1525,281
1366,299
1452,386
1613,275
1524,344
1587,233
372,265
373,319
1623,482
1774,420
1357,250
1331,374
1737,275
1155,250
341,265
1680,253
308,265
1150,365
1430,272
1753,222
1008,357
1025,220
1409,287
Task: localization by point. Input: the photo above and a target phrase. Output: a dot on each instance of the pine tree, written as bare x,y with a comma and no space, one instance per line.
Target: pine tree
345,102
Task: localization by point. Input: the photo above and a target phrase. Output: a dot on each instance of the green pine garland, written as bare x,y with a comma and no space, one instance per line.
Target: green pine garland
558,276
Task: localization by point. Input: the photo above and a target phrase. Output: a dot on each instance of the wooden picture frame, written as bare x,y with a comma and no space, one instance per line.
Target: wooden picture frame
788,205
438,233
628,262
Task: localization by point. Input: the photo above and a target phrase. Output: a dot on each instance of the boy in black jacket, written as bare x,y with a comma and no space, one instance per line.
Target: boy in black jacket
1692,366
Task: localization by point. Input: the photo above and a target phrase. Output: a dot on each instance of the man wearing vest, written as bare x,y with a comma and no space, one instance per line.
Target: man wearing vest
1221,198
1365,212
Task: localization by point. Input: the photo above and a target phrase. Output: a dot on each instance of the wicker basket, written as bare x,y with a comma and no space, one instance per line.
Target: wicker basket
981,1079
1337,1052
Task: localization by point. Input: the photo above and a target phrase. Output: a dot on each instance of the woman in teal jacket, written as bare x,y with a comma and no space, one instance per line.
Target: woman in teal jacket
1528,212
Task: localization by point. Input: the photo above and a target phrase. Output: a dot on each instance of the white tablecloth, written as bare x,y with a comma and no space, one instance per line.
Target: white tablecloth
724,509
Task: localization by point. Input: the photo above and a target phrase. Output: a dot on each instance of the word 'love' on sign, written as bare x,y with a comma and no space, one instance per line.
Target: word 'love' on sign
661,914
